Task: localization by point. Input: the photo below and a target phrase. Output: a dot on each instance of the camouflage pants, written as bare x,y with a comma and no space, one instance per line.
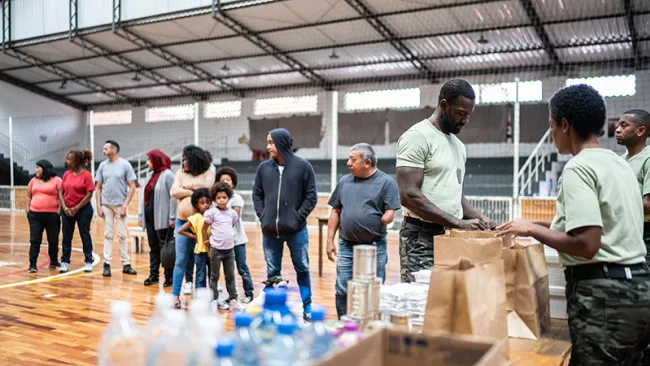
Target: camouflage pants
609,320
416,248
646,240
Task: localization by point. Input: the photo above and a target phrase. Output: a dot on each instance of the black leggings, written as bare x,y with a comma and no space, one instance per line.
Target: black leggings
38,222
156,240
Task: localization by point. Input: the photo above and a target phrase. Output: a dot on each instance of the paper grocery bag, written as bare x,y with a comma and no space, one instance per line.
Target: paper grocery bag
478,234
468,299
447,250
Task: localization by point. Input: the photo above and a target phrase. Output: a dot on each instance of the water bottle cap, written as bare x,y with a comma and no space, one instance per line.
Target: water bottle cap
286,326
164,300
204,294
351,326
275,297
243,319
225,347
318,313
198,307
120,308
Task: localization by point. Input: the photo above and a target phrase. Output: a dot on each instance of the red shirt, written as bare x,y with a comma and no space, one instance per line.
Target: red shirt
75,187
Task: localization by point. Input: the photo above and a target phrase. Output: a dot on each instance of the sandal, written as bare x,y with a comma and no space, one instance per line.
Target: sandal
177,302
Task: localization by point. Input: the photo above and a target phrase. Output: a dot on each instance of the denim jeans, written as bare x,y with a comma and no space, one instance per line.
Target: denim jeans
242,269
201,261
298,244
50,222
83,217
184,263
344,270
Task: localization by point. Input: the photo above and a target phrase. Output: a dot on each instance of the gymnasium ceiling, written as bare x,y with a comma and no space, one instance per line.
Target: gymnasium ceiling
244,47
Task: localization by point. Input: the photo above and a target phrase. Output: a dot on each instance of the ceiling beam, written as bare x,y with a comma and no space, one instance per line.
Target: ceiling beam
40,91
628,5
619,63
64,74
360,7
73,17
133,66
537,23
175,60
270,49
117,15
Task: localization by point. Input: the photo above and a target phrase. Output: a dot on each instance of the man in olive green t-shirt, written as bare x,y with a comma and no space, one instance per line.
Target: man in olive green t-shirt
430,171
633,129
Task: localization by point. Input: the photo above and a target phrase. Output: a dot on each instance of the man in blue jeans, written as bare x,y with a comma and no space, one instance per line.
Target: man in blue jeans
284,195
363,203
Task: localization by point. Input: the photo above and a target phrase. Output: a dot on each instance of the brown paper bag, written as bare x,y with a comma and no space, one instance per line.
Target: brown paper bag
526,275
468,299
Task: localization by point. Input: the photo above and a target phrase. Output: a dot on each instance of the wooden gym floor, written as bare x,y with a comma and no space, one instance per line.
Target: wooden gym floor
52,319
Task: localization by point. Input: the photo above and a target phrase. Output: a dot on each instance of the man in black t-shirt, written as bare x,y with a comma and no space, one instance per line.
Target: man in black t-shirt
363,203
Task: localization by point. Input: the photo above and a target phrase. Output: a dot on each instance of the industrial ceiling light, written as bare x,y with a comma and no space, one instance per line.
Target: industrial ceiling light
482,40
225,68
334,56
136,77
63,83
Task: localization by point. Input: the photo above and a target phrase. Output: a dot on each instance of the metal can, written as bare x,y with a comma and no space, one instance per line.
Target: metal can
373,296
401,320
364,262
358,304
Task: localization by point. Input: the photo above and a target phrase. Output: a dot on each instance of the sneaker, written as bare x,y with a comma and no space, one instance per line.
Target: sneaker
168,282
64,267
32,269
88,267
150,281
235,305
129,270
54,265
223,305
187,288
306,317
107,270
247,300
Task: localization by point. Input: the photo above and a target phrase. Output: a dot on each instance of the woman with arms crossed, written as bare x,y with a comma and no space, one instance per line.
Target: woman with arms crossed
597,231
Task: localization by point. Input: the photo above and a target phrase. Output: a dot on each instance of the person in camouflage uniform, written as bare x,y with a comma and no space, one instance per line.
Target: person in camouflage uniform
430,170
598,233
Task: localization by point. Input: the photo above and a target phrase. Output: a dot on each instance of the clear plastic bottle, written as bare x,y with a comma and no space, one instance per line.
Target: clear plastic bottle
275,307
282,350
246,343
164,303
203,329
121,343
318,341
225,347
173,346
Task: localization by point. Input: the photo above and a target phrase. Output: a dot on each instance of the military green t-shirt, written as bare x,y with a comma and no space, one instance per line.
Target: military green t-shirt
595,191
443,159
640,164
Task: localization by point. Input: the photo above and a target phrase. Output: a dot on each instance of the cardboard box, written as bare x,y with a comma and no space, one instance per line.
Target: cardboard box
390,347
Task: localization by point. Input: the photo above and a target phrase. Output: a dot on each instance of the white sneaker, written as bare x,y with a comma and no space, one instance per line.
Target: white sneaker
247,300
223,305
235,305
88,267
187,288
64,267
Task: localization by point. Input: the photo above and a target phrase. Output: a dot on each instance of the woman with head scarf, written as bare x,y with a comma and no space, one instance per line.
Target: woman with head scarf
158,212
43,213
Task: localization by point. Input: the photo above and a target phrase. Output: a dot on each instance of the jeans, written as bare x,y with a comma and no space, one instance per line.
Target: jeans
344,261
156,239
242,269
201,262
51,223
227,257
298,244
184,263
111,217
83,217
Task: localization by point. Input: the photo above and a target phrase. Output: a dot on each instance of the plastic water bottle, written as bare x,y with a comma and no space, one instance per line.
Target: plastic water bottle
282,350
275,307
164,303
318,340
246,343
225,348
206,295
173,346
121,343
203,329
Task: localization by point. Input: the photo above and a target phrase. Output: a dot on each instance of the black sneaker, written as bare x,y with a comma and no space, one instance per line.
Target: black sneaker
168,282
107,270
32,268
150,281
55,265
129,270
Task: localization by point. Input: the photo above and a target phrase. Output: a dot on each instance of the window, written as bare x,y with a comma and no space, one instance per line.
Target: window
222,109
609,86
286,105
174,113
112,118
529,91
382,99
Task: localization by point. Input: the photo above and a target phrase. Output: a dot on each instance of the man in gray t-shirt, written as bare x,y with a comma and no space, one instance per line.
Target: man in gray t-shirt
363,203
115,181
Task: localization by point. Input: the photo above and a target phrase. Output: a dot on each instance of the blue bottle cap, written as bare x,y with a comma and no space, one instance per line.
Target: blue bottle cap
275,297
243,319
225,347
318,313
286,327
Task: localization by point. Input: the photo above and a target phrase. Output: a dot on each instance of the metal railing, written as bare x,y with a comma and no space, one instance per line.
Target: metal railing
535,164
